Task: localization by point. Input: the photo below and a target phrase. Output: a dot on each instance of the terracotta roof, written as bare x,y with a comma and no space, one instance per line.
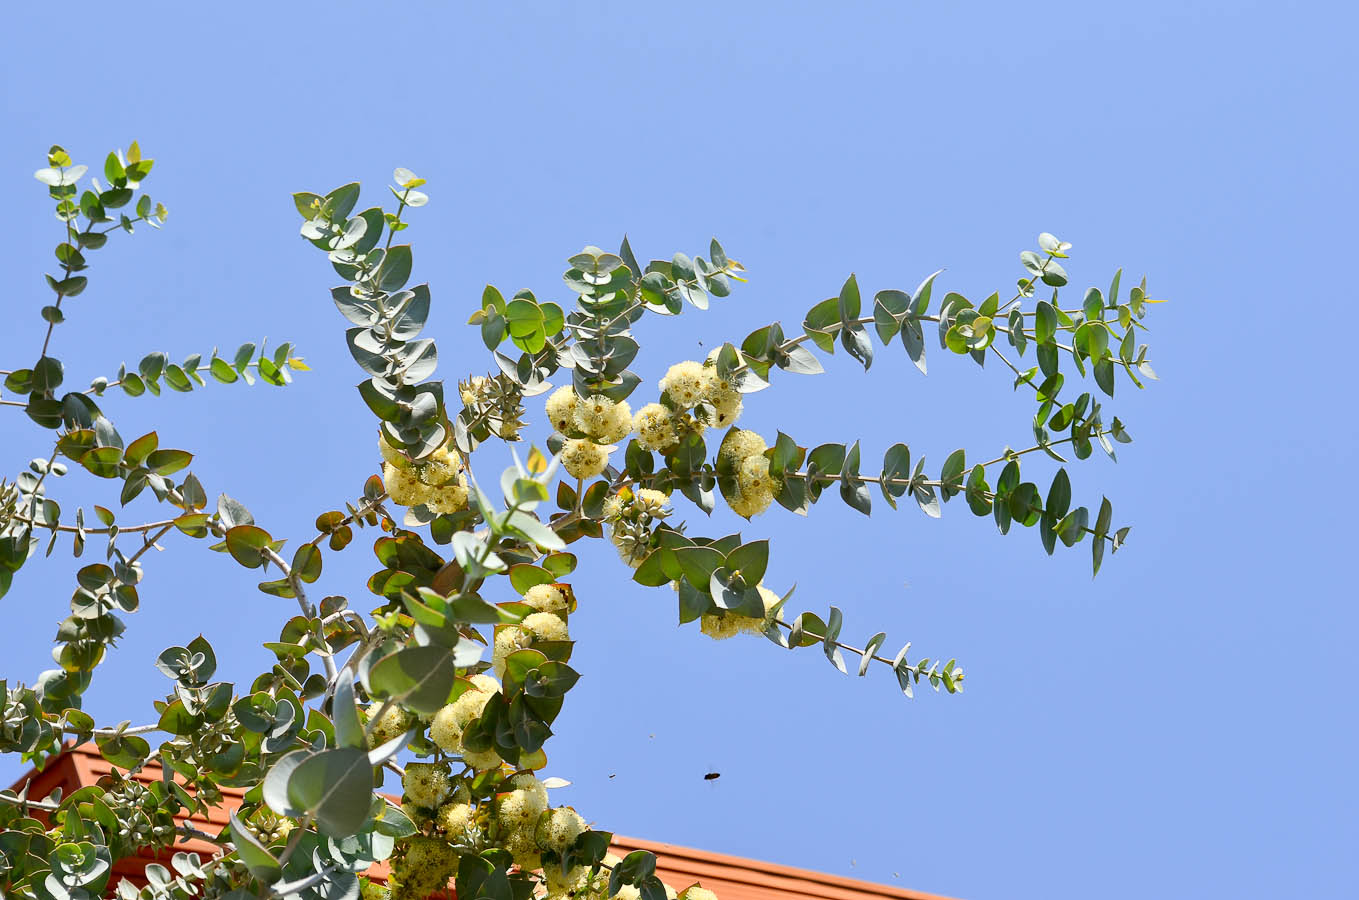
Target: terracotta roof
730,877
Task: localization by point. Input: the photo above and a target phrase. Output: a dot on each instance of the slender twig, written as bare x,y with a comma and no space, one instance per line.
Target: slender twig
308,612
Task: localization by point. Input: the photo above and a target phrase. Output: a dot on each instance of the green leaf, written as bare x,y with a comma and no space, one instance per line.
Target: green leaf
139,449
245,543
102,461
420,678
345,713
1045,324
336,786
1059,495
849,299
698,564
751,560
896,472
852,489
167,462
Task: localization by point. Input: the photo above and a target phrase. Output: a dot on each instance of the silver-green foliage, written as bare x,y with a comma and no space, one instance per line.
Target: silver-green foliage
301,738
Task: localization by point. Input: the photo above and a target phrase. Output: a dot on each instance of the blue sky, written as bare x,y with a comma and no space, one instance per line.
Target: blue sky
1183,725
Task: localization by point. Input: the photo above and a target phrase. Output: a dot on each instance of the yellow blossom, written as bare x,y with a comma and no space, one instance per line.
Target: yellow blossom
561,408
456,818
427,784
547,598
584,459
545,627
559,828
390,725
603,420
684,382
655,427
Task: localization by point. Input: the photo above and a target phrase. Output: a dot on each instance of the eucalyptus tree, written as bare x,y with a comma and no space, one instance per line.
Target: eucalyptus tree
459,653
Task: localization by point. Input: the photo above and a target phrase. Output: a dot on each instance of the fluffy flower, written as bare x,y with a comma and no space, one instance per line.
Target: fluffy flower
456,818
561,408
655,427
402,485
486,683
547,597
568,884
448,498
427,784
424,868
738,445
628,892
684,382
694,892
559,829
522,806
602,419
723,396
449,722
755,489
584,459
439,468
392,724
545,627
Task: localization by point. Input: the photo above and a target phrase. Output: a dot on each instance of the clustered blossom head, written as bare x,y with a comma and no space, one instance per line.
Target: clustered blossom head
602,420
694,385
742,455
584,459
390,725
457,819
561,408
655,427
436,481
721,626
447,727
685,384
424,867
427,784
553,598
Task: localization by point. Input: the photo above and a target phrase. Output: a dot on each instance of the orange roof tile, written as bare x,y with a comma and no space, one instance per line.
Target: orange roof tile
730,877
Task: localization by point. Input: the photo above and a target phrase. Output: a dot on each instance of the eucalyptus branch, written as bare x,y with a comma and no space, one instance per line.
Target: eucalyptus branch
114,529
901,666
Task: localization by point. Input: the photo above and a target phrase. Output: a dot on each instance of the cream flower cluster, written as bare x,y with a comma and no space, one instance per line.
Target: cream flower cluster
549,598
591,425
423,867
719,627
694,385
436,481
390,725
742,454
447,728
